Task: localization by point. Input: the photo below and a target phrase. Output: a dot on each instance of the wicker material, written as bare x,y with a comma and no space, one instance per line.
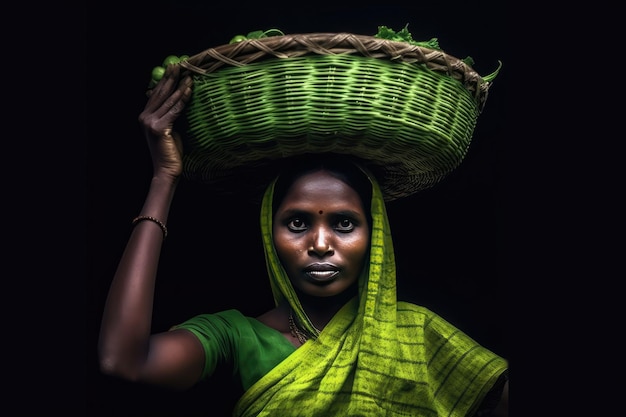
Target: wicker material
408,111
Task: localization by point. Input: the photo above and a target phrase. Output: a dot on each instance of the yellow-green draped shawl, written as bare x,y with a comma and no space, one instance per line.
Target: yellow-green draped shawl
377,356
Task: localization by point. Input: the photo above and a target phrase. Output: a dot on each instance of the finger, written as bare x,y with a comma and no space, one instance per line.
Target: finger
163,88
173,105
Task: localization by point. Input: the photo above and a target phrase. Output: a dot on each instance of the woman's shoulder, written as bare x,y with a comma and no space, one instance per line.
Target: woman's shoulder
230,314
219,320
232,320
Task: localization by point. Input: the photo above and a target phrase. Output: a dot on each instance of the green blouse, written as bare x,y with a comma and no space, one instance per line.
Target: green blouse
243,343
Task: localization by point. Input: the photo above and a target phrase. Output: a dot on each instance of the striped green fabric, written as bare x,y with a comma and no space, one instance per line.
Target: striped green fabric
377,356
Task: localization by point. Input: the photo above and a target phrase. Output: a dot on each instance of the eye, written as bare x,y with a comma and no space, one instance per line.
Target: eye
296,225
344,225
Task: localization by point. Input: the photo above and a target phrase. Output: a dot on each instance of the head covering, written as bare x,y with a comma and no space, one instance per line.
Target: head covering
377,356
406,108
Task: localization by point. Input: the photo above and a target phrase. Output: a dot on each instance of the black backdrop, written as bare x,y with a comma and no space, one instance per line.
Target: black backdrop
449,240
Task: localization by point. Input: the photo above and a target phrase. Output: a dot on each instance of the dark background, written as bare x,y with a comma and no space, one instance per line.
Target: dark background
450,241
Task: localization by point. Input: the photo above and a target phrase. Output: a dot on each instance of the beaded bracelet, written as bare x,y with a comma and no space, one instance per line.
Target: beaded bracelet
152,219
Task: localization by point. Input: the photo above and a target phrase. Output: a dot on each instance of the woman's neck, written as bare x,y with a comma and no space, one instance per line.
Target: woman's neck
321,309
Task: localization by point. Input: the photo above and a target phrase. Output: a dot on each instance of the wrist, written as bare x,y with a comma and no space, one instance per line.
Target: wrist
165,179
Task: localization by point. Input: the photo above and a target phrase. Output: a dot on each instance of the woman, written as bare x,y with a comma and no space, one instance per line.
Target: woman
337,343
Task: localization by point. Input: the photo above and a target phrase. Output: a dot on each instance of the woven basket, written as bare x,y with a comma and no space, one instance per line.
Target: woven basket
407,111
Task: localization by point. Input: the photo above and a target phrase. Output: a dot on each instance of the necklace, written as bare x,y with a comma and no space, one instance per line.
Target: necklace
295,330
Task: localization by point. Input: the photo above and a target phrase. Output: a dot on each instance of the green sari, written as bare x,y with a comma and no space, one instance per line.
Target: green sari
377,356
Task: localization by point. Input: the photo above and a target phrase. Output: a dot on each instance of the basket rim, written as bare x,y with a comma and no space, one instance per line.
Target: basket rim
250,51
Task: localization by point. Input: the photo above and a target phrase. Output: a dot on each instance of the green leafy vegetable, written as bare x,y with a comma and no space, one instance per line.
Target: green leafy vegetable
405,36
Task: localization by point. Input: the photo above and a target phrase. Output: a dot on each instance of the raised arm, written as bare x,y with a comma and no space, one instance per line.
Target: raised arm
126,347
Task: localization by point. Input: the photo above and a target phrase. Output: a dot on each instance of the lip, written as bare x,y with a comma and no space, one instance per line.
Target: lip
321,272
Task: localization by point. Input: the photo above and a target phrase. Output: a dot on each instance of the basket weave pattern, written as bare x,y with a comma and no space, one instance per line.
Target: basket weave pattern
406,109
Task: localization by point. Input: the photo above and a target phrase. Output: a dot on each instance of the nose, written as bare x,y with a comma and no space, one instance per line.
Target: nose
321,242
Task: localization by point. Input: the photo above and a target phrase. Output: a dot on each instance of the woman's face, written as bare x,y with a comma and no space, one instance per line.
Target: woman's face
321,234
